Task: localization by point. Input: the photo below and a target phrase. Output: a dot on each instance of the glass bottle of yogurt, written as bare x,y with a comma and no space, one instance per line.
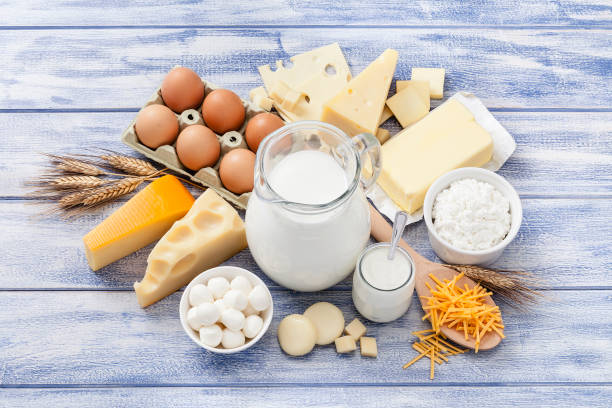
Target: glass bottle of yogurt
382,287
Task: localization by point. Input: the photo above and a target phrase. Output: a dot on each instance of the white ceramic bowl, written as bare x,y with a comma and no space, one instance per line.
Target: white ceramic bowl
228,272
453,255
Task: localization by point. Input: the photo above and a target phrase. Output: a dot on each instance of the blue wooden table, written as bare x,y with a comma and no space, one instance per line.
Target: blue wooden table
75,73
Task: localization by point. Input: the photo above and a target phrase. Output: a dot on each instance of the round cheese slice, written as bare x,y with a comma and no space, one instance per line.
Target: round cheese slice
296,335
328,320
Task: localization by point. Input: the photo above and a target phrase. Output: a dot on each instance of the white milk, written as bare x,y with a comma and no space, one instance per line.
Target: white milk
308,251
382,288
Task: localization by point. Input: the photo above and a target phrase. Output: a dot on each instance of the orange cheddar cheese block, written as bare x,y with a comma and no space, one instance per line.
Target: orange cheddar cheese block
211,232
143,219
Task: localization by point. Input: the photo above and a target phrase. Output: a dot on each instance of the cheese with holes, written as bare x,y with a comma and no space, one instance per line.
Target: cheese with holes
209,234
359,106
445,139
435,77
142,220
260,98
300,90
408,105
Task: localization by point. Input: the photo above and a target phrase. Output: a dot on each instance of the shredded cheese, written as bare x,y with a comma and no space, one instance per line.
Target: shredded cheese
434,346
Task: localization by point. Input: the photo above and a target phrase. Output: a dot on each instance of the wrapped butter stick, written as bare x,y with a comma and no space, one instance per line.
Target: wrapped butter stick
464,116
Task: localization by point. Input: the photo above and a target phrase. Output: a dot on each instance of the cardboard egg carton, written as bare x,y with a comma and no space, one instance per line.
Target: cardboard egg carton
166,154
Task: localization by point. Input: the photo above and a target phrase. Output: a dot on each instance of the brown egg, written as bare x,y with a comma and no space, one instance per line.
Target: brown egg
182,89
156,125
237,170
197,147
223,111
260,126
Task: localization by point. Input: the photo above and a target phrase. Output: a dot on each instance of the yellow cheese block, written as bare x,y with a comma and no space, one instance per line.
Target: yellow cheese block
435,77
446,139
210,233
143,219
408,105
421,86
359,106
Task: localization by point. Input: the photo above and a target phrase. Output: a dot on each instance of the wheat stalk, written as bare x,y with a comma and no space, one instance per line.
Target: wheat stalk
513,286
67,182
113,190
72,165
130,165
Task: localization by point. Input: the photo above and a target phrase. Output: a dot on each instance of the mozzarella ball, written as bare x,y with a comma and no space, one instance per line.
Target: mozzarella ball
220,305
259,298
250,310
242,284
218,286
211,335
235,299
252,326
233,319
207,314
232,338
200,294
193,319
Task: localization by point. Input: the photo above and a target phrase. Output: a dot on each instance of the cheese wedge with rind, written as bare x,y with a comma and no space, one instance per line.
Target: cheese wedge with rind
445,139
137,223
359,106
210,233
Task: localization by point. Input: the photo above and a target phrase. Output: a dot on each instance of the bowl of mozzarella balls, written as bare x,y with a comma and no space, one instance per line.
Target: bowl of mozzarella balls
226,309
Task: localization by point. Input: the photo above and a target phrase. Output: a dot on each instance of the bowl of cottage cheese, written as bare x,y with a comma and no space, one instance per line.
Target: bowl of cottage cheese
472,214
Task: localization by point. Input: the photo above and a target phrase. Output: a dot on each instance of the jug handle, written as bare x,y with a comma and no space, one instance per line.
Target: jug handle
368,149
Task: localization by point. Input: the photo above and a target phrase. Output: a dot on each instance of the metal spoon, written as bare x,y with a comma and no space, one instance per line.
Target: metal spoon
401,218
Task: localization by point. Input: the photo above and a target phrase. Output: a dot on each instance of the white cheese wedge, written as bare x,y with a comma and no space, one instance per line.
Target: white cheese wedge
315,76
358,107
446,139
210,233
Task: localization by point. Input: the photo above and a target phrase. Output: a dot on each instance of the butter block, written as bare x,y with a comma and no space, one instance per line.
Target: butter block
359,106
345,344
435,77
368,347
142,220
408,105
446,139
209,234
382,135
355,329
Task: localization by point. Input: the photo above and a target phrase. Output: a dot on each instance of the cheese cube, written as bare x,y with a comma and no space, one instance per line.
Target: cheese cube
382,135
286,97
368,347
355,329
435,76
260,98
345,344
446,139
386,114
421,86
210,233
142,220
408,106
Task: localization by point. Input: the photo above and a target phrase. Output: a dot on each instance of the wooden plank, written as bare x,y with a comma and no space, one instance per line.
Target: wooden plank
557,153
90,338
97,68
234,12
281,397
564,242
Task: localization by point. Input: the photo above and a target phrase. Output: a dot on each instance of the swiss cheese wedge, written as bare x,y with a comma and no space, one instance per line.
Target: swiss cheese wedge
210,233
358,107
139,222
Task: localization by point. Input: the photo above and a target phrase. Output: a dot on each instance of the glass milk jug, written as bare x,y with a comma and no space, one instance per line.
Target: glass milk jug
308,219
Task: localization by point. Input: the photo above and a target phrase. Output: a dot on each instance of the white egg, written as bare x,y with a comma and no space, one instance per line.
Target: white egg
250,310
235,299
207,314
252,326
232,338
233,319
220,305
242,284
211,335
258,298
200,294
218,286
193,320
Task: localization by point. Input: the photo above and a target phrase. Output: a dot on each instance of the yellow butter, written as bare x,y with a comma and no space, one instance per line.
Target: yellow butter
210,233
359,106
446,139
137,223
